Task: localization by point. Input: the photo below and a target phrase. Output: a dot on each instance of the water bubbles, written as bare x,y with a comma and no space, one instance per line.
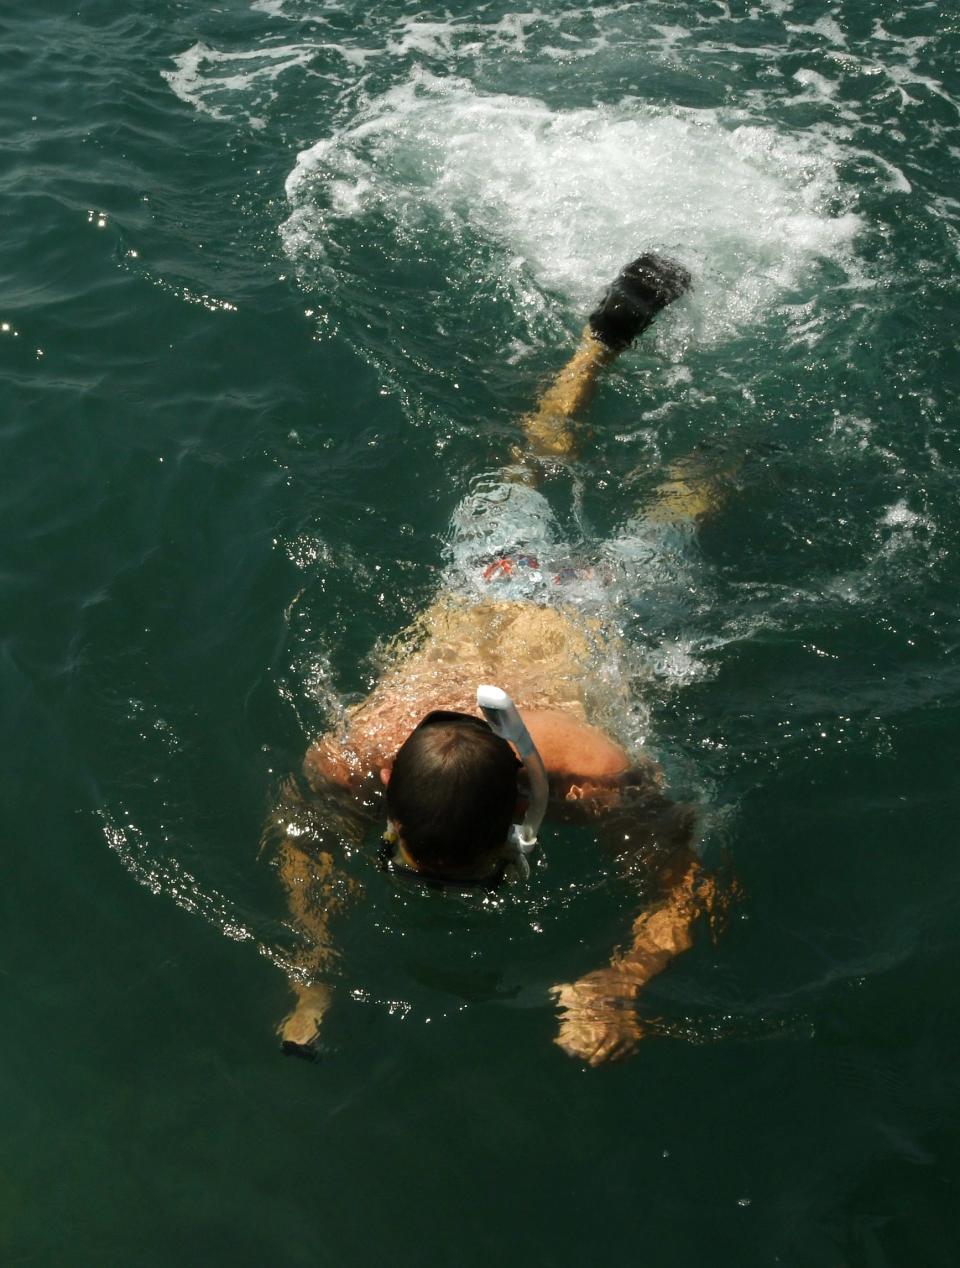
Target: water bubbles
558,194
900,516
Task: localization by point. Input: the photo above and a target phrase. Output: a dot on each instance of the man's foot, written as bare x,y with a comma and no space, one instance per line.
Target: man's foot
638,293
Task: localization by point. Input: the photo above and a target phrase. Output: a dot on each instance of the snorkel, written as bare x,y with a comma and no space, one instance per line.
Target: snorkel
504,720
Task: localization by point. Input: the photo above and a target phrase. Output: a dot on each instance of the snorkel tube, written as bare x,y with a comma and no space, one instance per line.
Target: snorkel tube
504,720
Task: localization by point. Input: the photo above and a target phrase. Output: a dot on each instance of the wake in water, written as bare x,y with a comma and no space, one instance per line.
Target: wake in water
559,197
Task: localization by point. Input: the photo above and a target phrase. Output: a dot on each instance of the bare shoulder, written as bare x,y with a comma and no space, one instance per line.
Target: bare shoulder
330,761
571,746
368,740
584,763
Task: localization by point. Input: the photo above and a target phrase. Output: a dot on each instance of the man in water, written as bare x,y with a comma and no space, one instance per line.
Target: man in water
511,615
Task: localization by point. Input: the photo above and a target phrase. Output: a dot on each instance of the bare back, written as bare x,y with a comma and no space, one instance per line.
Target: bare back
543,657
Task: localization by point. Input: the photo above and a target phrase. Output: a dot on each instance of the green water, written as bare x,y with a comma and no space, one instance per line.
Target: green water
243,393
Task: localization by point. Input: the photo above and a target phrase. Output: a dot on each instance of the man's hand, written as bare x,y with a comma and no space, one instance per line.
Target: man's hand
300,1031
598,1021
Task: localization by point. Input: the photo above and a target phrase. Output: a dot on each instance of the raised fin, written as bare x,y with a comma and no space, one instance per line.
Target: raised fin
639,291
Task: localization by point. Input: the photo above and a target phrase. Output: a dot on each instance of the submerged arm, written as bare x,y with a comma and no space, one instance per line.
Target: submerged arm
317,890
598,1020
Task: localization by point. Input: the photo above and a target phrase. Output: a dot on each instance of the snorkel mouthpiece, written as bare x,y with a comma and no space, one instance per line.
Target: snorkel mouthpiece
504,720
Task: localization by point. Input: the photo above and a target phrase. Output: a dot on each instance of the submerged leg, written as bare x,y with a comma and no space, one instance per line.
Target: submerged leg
689,492
637,294
549,429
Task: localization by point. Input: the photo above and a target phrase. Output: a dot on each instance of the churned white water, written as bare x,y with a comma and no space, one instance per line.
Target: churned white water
566,196
414,133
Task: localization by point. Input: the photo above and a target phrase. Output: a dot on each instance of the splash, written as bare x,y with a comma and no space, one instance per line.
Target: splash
564,197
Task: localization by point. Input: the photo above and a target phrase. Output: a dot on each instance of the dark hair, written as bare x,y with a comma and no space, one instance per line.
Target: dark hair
452,790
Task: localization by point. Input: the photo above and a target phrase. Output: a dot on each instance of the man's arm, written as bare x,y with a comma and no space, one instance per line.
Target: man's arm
599,1021
317,891
579,758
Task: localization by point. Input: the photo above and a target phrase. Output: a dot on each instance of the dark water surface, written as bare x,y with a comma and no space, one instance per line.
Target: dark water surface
277,280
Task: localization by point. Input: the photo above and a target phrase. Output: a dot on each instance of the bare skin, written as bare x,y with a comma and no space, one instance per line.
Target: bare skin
316,892
542,656
599,1021
549,430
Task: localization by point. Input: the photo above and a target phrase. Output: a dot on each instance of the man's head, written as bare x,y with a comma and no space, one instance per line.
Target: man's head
452,793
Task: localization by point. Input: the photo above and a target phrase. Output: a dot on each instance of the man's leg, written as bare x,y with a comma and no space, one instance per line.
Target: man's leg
690,491
637,294
549,429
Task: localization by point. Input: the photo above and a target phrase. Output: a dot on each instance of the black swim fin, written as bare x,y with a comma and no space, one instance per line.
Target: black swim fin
639,291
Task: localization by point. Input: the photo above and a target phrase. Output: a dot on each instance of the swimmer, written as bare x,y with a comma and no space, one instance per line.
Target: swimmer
509,615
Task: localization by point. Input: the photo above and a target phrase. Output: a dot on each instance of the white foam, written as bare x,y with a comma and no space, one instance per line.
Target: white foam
567,196
896,180
817,84
676,661
234,85
207,79
428,39
899,515
466,38
826,27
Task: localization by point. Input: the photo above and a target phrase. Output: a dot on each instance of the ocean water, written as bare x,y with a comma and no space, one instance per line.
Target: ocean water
278,280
